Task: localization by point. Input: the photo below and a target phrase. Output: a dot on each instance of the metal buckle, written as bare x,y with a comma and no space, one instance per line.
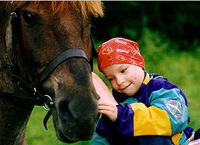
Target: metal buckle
50,103
34,91
14,14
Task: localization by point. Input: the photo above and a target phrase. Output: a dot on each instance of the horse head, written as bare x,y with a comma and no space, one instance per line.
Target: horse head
46,31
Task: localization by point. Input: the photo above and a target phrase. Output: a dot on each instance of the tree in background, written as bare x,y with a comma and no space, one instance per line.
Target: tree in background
178,21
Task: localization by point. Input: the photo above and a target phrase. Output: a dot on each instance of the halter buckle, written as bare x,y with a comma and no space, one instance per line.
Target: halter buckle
34,91
14,14
49,103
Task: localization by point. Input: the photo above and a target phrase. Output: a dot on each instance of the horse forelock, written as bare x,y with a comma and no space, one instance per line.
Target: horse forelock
86,7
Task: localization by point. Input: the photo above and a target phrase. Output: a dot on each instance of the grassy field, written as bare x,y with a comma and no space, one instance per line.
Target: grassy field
162,57
36,133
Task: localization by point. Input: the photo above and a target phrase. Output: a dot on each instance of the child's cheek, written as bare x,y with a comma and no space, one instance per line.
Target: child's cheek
113,85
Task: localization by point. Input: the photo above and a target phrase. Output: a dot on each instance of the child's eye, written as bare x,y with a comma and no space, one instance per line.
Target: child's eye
110,79
123,70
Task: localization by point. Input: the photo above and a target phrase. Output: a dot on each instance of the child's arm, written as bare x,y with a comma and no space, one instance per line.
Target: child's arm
167,114
137,119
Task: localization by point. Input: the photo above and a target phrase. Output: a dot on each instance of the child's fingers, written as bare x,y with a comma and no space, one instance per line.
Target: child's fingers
107,101
101,89
109,108
110,112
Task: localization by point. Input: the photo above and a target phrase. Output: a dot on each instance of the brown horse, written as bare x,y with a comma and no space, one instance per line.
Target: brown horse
44,55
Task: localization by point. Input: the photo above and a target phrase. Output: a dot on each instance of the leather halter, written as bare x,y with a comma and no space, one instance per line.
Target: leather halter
36,79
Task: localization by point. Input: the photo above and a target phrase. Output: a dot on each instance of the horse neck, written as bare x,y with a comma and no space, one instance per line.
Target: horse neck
4,25
13,121
13,117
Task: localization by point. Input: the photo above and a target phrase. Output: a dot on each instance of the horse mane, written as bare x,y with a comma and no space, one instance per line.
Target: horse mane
86,7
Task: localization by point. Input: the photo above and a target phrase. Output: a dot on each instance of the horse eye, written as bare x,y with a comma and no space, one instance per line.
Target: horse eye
28,17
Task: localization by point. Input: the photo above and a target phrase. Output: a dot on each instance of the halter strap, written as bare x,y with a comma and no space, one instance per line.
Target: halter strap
38,98
20,100
70,53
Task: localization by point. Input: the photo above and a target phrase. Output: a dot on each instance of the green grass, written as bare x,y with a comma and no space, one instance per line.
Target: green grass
161,56
36,133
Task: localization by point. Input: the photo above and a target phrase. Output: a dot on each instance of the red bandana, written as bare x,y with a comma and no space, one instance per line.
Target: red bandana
119,51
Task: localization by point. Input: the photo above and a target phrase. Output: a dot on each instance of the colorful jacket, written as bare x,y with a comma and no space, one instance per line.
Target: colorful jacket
159,108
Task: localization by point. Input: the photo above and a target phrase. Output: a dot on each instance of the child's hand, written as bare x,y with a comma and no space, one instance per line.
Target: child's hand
107,103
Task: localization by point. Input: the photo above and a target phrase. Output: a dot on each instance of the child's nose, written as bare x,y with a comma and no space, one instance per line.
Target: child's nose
120,80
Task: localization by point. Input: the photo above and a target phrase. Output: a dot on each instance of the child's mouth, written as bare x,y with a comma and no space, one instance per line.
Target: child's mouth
125,87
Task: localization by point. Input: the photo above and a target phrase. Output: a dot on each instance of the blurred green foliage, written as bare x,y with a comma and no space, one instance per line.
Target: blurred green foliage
178,21
168,37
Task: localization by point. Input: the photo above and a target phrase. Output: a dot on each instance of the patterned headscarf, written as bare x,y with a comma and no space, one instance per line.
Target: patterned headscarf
119,51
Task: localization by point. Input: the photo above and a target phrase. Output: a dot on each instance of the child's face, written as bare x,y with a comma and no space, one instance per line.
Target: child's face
124,78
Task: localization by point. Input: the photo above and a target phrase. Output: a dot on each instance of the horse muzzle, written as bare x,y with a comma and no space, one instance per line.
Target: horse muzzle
76,120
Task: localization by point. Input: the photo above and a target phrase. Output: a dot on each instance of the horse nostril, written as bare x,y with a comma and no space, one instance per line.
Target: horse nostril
64,111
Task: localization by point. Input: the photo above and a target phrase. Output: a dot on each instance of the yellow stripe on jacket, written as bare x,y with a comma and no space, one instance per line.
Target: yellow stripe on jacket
176,138
150,121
